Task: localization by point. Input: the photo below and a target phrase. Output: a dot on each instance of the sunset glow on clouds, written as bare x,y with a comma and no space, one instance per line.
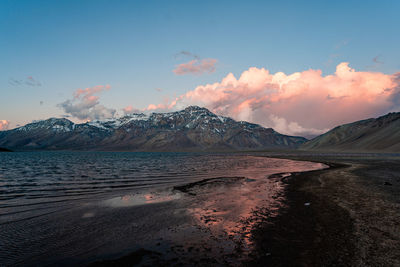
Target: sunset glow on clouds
303,103
196,66
4,124
162,56
128,109
85,104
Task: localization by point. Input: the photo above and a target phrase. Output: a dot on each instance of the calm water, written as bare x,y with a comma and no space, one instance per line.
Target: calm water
65,207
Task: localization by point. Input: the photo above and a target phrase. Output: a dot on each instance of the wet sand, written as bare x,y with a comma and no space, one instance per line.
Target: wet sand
347,215
217,216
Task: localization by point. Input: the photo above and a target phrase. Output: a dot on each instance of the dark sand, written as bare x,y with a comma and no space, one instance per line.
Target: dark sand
347,215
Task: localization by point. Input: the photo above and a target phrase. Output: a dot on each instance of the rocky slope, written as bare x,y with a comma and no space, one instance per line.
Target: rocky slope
381,135
192,129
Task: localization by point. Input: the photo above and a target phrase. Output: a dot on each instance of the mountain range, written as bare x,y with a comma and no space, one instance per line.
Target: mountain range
196,129
191,129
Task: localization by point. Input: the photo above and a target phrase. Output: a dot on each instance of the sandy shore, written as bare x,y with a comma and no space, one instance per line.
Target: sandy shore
347,215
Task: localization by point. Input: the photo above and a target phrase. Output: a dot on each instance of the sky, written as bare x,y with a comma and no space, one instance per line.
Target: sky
300,67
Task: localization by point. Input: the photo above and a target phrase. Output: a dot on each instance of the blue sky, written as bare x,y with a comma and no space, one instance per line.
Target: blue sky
132,46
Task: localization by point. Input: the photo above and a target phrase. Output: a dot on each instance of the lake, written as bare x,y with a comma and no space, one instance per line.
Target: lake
74,208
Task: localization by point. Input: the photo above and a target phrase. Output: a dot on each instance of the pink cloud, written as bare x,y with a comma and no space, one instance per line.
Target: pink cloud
196,66
90,91
85,104
128,109
158,108
4,124
302,103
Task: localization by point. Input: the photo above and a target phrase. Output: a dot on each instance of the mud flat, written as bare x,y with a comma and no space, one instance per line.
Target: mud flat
217,221
347,215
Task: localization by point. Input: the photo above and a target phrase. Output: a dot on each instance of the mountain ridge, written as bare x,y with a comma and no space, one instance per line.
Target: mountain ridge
380,134
191,129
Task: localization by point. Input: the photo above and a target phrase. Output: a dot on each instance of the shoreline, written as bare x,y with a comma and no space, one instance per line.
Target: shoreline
226,244
345,215
243,255
308,230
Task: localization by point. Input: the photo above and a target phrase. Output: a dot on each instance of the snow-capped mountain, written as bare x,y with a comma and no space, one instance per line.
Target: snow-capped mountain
191,129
